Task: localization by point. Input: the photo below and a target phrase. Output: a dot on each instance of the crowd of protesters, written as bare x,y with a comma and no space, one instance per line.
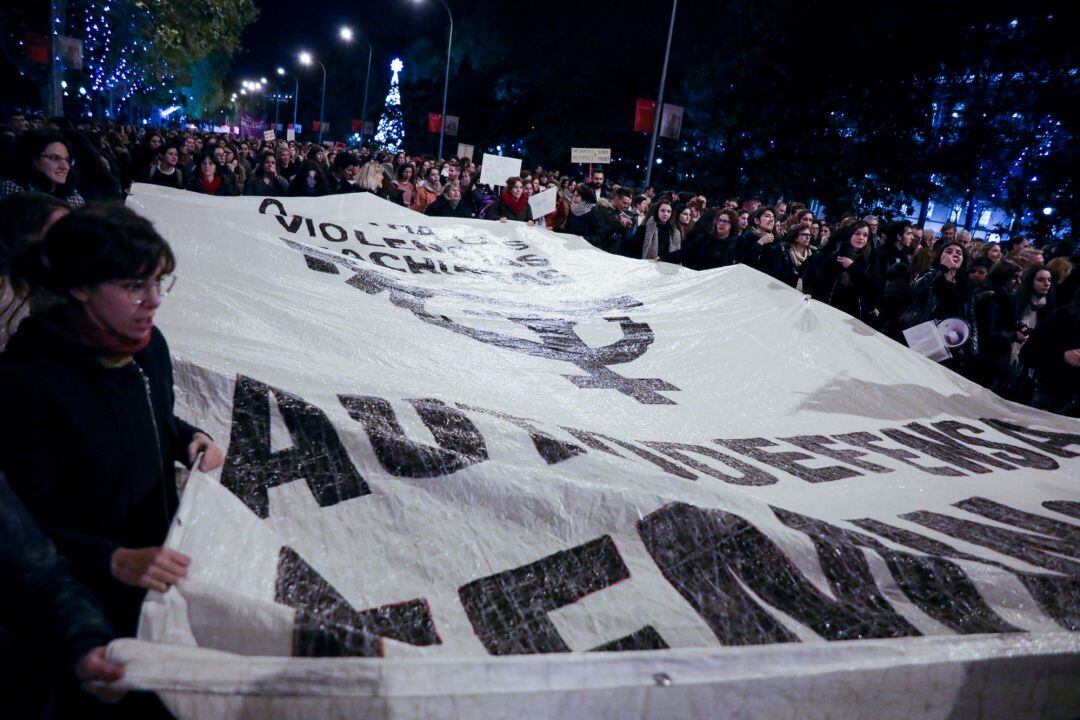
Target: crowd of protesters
88,381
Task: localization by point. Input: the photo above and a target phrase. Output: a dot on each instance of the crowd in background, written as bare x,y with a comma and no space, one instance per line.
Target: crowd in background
87,378
892,276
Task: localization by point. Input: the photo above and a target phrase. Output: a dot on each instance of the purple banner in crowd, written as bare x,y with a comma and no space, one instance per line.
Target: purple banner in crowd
252,126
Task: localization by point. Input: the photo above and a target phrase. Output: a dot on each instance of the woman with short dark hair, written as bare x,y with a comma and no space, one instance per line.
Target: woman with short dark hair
88,435
43,161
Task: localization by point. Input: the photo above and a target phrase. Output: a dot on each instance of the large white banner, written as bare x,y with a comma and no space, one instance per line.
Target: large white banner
483,470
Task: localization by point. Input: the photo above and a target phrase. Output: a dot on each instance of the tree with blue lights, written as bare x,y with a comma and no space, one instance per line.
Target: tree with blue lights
391,131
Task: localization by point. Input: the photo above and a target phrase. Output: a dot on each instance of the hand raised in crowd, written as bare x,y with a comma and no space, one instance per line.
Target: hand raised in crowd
844,260
765,239
151,568
212,458
96,671
1072,357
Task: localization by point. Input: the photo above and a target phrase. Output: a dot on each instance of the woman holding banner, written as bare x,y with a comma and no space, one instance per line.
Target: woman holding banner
513,203
88,436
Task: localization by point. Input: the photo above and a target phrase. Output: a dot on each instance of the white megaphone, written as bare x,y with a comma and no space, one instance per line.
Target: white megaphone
954,331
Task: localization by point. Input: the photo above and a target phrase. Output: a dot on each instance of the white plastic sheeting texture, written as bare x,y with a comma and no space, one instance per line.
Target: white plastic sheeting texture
452,440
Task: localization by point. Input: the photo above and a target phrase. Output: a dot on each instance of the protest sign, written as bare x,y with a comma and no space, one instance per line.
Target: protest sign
449,441
599,156
269,135
543,203
465,151
496,169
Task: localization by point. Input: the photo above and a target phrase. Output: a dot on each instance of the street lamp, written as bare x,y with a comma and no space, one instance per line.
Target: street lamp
296,92
346,34
307,58
446,81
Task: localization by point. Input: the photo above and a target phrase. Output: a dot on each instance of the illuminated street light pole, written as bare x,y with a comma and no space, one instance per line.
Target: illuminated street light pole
346,34
446,81
296,92
306,58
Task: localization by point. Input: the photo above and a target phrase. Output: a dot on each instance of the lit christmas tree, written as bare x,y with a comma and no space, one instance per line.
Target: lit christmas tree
391,130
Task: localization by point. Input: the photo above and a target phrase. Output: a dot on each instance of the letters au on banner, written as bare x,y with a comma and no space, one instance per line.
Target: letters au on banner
665,492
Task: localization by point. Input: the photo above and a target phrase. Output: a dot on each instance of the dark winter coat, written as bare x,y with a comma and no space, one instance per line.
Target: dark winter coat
856,290
935,298
594,226
997,323
257,186
442,208
1044,352
91,451
38,586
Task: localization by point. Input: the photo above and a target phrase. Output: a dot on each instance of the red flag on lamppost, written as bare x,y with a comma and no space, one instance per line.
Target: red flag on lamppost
434,122
37,47
357,125
644,115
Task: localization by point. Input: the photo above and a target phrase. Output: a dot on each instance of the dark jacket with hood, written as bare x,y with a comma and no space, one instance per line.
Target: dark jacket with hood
90,450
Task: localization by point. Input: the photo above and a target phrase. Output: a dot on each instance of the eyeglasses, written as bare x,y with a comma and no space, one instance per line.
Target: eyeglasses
57,159
139,290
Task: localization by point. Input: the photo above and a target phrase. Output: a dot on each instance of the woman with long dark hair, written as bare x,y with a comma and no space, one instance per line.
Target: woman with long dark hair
995,314
941,293
845,275
309,181
264,180
659,237
43,161
210,177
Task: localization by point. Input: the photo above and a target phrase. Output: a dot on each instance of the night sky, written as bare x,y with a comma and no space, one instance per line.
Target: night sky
611,51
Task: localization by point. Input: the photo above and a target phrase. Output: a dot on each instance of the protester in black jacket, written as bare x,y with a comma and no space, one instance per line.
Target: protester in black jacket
450,203
1053,351
265,181
754,242
846,275
712,242
943,293
46,610
88,437
587,220
995,315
